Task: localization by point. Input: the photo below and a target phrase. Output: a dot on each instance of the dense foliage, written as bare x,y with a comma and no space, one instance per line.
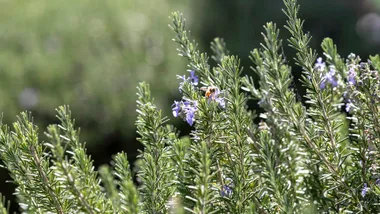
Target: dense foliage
319,157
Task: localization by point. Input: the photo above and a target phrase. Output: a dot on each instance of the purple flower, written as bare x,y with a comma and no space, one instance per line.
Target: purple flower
226,191
365,189
176,108
351,76
329,78
190,116
320,65
349,105
190,112
221,102
184,79
186,110
186,104
194,78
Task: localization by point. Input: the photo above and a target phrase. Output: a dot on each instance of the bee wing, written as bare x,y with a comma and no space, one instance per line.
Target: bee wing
204,88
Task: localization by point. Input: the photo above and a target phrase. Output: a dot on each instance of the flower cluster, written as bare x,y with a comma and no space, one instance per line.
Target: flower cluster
351,77
193,79
226,191
320,65
362,81
185,110
227,188
329,78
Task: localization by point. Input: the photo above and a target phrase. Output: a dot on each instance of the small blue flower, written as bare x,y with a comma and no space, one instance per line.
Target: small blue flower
348,105
176,108
320,65
329,78
184,79
351,76
190,116
365,189
226,191
186,104
190,112
194,78
221,102
186,110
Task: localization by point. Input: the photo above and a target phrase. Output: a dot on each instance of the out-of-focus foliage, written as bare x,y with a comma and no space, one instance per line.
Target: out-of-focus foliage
89,54
239,23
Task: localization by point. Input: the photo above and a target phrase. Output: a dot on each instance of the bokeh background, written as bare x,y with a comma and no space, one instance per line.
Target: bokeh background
91,54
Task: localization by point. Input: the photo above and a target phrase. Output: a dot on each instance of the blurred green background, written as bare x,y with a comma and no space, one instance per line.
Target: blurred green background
91,54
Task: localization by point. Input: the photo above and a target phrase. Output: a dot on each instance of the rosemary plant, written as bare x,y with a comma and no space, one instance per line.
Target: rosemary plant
321,156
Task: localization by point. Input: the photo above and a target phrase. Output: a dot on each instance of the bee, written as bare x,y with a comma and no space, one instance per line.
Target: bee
210,91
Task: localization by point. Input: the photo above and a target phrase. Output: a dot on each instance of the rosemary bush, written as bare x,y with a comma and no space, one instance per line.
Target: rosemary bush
317,157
